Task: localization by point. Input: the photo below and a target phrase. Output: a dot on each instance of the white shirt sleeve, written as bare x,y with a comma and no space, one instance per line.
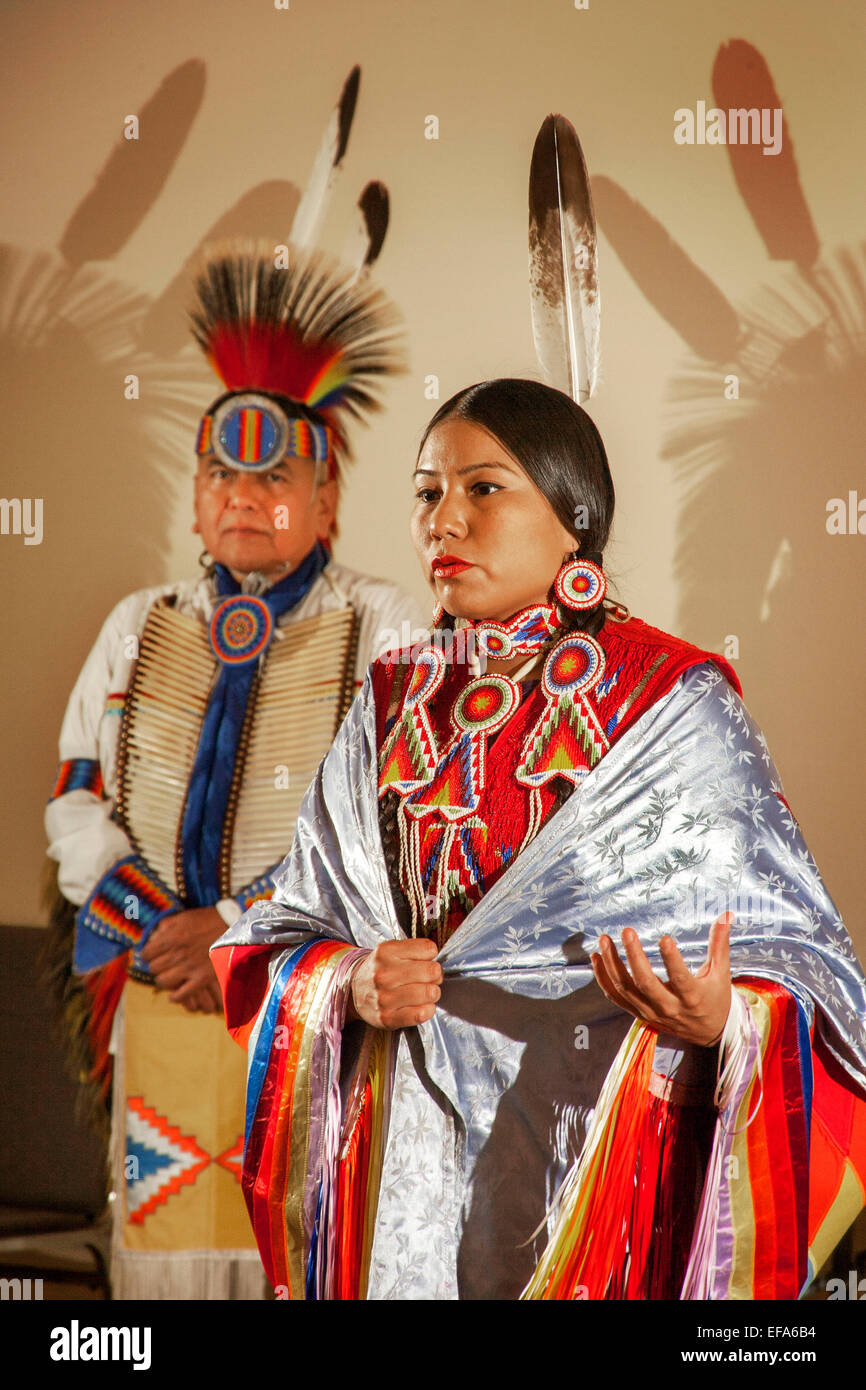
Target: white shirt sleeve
83,838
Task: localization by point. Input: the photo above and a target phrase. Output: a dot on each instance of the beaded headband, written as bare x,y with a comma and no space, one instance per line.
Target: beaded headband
252,432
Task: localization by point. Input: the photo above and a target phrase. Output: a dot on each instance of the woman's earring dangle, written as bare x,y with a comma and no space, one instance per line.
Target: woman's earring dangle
580,585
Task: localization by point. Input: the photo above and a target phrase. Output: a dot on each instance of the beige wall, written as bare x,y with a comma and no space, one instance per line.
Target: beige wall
115,474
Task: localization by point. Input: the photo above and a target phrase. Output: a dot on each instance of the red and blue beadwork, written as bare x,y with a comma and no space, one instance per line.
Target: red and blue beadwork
526,632
495,640
426,677
240,630
251,432
484,704
580,585
250,436
574,666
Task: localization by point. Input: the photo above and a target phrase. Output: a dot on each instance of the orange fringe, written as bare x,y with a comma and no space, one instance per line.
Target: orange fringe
634,1236
351,1204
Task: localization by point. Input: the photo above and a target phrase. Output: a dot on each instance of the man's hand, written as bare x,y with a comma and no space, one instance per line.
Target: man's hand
692,1007
177,954
397,985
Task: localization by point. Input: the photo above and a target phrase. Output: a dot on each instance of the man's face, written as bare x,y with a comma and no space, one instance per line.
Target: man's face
261,521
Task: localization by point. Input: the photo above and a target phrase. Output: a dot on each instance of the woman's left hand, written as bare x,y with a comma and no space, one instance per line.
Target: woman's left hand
692,1007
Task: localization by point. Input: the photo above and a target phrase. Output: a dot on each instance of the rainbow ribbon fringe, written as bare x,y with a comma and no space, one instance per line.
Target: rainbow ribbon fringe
785,1176
311,1174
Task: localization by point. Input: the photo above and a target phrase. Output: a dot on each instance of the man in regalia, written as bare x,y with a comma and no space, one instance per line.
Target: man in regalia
190,737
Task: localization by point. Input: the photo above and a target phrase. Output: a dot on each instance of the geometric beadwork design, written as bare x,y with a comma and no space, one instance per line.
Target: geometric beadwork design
575,664
251,432
427,675
567,739
494,640
159,1160
251,435
408,757
456,785
241,629
580,585
78,775
485,703
589,692
409,753
528,630
262,888
122,911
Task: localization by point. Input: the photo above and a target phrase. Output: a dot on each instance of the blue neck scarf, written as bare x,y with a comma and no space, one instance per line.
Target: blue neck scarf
213,769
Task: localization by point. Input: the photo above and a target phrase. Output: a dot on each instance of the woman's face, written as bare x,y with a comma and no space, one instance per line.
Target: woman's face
476,506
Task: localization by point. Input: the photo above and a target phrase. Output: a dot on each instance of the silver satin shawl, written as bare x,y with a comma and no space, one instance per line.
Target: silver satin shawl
681,820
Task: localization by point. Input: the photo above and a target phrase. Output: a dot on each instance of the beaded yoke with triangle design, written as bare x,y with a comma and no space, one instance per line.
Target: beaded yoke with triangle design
471,769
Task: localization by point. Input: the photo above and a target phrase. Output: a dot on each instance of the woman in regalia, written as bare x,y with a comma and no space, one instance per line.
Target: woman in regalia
550,1000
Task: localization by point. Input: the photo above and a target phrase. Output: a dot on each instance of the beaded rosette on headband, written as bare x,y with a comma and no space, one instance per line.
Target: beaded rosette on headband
306,334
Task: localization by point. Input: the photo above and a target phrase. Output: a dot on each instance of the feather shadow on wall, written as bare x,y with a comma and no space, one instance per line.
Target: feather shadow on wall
754,558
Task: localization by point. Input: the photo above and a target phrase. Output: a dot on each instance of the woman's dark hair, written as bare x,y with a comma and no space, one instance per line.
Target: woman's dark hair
558,446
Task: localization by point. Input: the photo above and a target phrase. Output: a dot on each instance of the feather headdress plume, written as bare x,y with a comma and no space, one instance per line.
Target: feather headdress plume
300,345
563,269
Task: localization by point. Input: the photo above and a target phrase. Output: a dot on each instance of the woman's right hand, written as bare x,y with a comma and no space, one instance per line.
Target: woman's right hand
397,984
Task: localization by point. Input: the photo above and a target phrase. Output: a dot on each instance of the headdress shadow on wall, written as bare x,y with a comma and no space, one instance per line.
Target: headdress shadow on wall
754,559
111,387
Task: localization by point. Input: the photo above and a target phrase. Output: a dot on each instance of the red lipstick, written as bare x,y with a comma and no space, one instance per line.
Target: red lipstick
444,566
